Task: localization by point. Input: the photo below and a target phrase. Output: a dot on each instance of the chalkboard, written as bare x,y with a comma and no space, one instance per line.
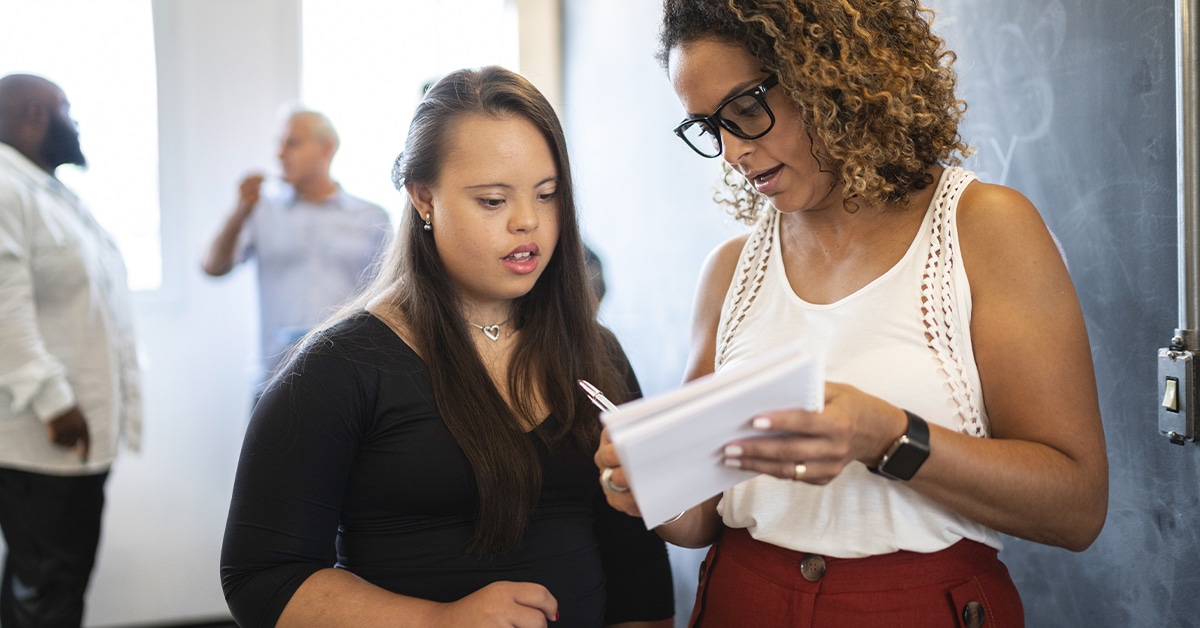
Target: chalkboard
1072,102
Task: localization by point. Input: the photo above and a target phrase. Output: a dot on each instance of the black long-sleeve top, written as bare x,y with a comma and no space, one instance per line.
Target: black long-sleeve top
347,463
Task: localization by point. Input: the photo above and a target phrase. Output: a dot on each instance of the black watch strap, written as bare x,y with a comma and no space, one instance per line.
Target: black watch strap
908,453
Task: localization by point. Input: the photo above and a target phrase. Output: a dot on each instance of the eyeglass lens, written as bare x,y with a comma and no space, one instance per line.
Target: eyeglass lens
743,116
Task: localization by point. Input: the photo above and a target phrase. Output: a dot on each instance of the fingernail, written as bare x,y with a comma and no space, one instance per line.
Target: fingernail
736,463
761,423
733,451
555,617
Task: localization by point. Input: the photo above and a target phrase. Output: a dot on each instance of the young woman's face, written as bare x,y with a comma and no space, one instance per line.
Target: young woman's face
494,209
781,164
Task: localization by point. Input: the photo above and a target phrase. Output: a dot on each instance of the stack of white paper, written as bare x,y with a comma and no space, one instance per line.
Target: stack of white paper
670,444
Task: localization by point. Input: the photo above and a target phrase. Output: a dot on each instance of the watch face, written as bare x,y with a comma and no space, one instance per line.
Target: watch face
905,461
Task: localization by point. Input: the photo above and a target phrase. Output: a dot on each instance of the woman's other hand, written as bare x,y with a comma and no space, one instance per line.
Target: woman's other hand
815,447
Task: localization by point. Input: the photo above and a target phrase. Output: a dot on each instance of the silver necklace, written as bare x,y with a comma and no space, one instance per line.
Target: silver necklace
491,331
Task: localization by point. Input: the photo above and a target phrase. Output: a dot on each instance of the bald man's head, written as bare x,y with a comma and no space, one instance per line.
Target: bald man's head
322,129
306,149
35,119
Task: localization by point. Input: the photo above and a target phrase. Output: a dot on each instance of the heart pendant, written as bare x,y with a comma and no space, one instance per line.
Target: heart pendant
492,332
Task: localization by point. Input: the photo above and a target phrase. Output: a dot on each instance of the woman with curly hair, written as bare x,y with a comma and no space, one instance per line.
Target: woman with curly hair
961,400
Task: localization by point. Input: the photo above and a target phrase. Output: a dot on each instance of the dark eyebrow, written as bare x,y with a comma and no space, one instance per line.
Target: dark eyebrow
736,90
507,186
490,185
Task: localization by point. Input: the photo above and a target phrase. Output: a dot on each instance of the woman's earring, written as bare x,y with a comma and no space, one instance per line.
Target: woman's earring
428,225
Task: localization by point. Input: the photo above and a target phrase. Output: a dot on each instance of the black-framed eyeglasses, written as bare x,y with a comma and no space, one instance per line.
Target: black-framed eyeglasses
745,115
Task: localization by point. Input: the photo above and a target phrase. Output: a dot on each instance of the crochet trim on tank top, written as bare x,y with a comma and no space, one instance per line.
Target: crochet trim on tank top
939,309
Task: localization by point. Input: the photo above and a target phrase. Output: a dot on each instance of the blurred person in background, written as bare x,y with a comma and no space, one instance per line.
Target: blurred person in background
69,388
313,241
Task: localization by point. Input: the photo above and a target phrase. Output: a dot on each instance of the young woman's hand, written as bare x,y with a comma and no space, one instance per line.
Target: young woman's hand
501,604
612,478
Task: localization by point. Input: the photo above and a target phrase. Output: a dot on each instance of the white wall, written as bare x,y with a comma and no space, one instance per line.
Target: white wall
645,197
223,68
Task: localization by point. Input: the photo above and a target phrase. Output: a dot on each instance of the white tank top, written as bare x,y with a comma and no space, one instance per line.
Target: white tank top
905,338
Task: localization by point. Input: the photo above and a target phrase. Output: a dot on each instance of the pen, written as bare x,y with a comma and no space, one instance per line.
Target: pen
596,396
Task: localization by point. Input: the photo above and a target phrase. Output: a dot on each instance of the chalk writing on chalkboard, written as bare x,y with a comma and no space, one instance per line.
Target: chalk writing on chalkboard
1009,83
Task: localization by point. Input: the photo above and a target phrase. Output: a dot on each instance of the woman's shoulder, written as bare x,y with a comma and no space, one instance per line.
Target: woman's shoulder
360,327
722,261
999,228
989,210
716,277
359,337
983,196
356,351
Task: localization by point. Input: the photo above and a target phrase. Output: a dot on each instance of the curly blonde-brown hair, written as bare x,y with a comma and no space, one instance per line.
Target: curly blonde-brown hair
869,77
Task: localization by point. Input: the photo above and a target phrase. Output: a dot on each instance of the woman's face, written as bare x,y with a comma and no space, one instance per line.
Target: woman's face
494,210
781,164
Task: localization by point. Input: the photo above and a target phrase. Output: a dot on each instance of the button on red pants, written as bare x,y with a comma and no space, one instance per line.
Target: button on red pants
744,582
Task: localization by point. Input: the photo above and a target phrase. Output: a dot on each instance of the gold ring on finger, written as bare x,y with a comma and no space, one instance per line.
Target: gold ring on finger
799,471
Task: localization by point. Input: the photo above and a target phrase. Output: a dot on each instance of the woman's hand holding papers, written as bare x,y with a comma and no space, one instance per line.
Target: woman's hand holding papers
695,527
606,458
818,445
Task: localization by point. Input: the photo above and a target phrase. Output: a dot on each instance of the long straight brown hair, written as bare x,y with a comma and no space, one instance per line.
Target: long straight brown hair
560,340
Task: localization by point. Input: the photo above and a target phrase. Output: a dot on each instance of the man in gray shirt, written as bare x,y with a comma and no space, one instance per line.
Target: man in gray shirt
313,242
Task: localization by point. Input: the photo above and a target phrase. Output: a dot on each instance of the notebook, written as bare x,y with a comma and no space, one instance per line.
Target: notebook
670,444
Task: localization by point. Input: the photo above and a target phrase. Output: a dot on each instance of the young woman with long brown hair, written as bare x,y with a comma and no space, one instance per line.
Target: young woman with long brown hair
425,459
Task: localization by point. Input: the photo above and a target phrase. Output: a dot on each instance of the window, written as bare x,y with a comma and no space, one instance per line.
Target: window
364,64
102,55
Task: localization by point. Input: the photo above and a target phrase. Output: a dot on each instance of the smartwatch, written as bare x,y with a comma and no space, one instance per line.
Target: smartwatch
908,453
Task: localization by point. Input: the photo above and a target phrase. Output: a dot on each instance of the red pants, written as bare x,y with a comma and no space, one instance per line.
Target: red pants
744,582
